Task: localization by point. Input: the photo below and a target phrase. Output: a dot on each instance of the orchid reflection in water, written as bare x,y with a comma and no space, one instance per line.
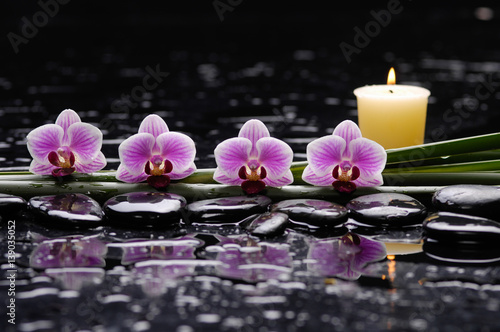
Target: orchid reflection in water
75,278
253,160
243,258
143,250
67,146
346,257
156,154
70,251
345,160
73,261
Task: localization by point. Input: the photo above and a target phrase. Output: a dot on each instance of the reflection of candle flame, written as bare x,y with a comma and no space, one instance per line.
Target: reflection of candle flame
392,267
391,273
391,78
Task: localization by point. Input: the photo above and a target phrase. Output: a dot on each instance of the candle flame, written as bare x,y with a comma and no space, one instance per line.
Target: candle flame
391,78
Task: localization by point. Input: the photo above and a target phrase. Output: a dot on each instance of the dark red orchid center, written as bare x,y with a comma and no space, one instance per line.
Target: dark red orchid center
344,174
253,176
157,169
64,160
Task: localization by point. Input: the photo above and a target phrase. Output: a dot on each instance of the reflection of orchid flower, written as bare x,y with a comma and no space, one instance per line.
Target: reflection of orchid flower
75,278
136,251
155,152
345,160
155,275
345,257
67,146
253,159
244,259
72,251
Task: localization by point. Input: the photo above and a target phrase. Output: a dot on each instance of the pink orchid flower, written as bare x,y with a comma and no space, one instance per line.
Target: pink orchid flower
155,152
253,159
67,146
345,160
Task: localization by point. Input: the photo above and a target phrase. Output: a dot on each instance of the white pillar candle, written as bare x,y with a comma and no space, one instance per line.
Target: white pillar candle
392,115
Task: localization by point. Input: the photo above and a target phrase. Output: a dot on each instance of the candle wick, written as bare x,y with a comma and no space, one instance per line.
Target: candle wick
391,91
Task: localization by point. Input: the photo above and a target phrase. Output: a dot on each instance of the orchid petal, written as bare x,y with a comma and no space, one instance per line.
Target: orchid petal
41,169
275,155
231,154
135,151
174,175
324,153
123,175
85,141
348,130
254,130
43,140
376,180
371,251
98,163
221,177
65,120
177,148
154,125
310,177
284,180
368,156
349,274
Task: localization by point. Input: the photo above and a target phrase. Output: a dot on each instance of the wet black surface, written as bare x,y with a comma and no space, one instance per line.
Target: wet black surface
281,63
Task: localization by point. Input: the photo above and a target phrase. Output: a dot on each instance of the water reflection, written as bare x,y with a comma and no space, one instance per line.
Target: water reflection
245,259
142,250
154,276
70,251
74,278
346,257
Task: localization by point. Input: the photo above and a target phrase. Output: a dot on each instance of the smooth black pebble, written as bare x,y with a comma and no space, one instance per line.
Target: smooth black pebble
67,210
313,213
387,209
462,252
229,210
477,200
268,224
11,204
454,227
145,210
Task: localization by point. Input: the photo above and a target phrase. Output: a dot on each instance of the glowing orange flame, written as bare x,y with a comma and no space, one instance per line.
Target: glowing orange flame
391,78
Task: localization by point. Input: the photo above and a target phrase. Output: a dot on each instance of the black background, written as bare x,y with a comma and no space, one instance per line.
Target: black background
80,59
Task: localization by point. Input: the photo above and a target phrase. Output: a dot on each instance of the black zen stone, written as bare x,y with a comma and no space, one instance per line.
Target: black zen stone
387,209
477,200
10,204
454,227
226,210
67,210
268,224
462,252
144,210
312,212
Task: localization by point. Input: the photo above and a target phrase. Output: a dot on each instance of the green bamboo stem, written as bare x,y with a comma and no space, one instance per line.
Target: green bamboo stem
101,191
455,159
489,165
445,148
414,184
440,179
